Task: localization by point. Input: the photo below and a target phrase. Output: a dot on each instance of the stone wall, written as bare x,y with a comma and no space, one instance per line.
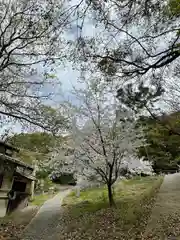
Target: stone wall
3,206
5,188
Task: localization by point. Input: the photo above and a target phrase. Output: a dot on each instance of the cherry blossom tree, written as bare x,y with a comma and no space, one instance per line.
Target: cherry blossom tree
59,160
31,43
103,132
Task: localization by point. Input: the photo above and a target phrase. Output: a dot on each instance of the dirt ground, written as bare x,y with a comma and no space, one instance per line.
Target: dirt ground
12,227
164,222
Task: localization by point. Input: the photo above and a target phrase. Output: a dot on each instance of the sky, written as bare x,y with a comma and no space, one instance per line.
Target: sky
68,78
65,74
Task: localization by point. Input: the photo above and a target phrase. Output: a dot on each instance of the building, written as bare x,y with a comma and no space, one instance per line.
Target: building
16,178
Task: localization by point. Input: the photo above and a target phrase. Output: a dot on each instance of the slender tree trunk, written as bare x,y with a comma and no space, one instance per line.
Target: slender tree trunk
110,195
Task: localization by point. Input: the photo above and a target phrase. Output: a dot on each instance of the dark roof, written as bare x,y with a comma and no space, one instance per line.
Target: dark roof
9,146
15,160
30,177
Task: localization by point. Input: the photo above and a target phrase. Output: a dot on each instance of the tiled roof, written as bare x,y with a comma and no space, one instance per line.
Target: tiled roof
8,145
15,160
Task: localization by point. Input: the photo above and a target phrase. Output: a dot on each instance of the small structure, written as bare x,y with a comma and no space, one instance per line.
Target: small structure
16,179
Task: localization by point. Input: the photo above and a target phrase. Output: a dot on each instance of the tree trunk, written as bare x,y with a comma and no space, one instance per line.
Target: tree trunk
110,195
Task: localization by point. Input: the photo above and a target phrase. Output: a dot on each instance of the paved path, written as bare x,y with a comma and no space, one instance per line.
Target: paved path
43,226
165,218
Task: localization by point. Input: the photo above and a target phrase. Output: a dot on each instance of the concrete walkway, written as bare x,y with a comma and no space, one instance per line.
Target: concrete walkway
164,222
43,226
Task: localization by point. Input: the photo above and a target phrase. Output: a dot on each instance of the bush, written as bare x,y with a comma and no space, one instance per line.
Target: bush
47,184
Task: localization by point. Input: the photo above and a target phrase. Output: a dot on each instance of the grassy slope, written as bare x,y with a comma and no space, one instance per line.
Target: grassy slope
89,217
39,200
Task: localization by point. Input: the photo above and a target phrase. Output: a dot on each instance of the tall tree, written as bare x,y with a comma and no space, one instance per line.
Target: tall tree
133,41
134,31
60,159
162,146
30,40
104,135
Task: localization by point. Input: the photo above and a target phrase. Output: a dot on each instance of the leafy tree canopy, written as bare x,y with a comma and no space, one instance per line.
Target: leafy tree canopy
34,146
31,43
163,145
